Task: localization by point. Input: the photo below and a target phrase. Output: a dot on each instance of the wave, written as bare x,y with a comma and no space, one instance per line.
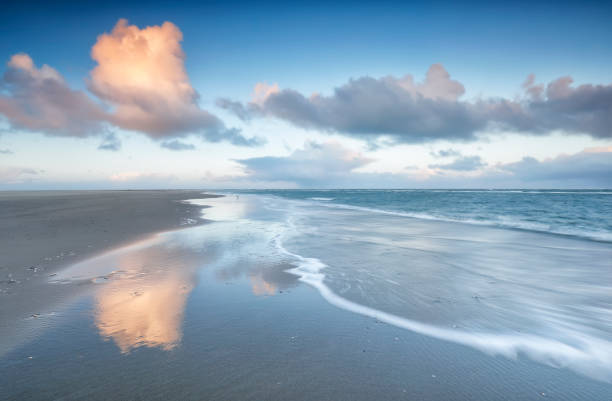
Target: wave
500,222
503,191
503,222
584,354
522,191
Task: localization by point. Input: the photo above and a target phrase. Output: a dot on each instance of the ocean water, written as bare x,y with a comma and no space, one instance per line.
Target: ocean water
352,295
581,213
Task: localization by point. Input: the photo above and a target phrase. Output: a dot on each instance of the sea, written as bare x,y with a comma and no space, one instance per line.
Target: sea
580,213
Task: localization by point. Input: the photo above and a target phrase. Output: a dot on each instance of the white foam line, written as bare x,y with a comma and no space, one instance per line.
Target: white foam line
592,358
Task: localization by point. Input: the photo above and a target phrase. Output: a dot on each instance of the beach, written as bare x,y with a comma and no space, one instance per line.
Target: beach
43,231
288,297
279,201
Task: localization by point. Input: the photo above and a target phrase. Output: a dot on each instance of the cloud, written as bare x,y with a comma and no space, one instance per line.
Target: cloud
142,178
6,152
233,136
465,163
331,165
591,167
140,82
141,74
245,112
177,145
38,99
445,153
16,175
406,111
313,165
110,142
238,109
369,108
560,106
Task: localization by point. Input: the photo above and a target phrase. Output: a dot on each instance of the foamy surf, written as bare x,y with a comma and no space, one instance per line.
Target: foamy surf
585,354
555,337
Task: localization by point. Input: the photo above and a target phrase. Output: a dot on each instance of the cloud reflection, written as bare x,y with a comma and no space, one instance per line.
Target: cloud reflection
261,287
144,304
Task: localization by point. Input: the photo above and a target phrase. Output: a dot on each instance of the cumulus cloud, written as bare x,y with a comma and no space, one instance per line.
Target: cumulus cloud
38,99
141,84
141,73
177,145
465,163
416,112
6,152
561,106
367,108
110,142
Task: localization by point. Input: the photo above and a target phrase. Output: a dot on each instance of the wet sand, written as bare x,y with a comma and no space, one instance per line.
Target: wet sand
211,312
43,231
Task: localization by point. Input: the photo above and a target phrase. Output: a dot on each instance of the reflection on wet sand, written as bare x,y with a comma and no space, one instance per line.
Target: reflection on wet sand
261,287
144,304
266,278
151,317
143,288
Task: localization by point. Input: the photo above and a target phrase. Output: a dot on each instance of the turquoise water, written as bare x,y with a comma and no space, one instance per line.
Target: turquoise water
581,213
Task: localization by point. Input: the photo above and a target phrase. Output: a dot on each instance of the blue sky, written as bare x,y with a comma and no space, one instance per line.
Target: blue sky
489,49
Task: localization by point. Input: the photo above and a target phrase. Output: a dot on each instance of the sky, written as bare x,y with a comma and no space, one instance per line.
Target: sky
133,95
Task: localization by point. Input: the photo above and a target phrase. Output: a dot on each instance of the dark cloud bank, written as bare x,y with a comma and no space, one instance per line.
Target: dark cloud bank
411,112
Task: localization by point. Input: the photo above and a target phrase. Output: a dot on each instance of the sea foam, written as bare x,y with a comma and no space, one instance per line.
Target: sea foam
584,354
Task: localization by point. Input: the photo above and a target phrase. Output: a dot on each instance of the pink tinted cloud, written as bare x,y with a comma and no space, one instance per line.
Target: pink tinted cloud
38,99
141,73
140,81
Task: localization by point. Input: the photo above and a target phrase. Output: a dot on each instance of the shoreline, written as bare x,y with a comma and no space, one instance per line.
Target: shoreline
212,311
42,232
